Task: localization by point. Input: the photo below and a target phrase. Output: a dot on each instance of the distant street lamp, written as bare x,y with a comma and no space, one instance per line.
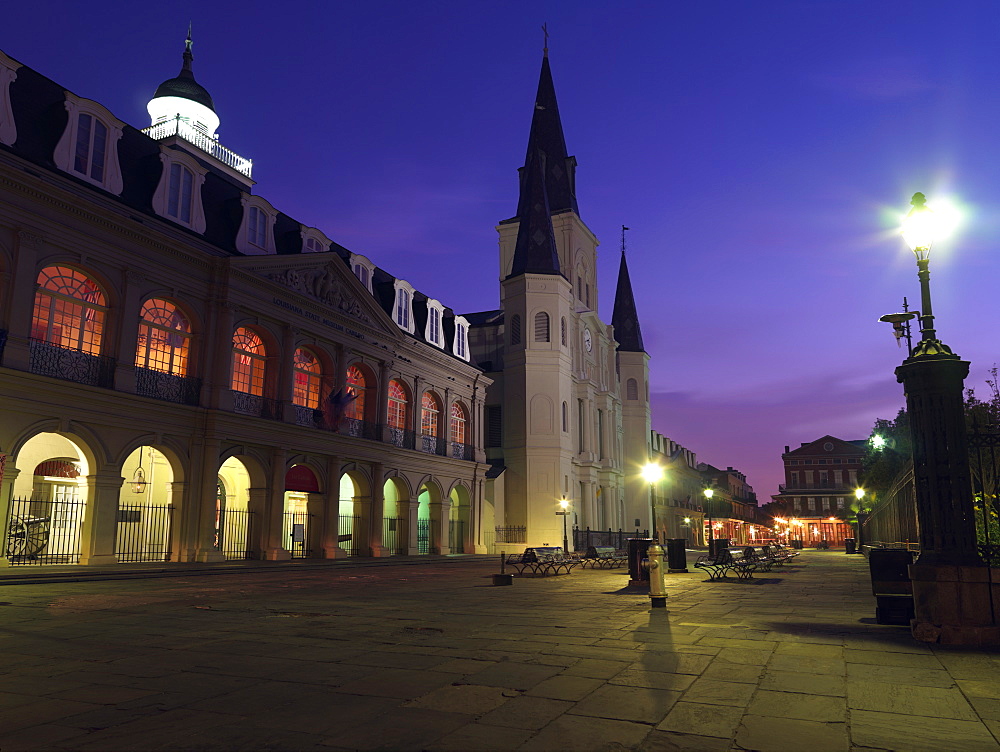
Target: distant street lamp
933,381
709,493
652,473
564,511
862,515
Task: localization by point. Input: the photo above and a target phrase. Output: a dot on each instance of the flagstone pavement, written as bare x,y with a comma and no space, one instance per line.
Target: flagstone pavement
426,654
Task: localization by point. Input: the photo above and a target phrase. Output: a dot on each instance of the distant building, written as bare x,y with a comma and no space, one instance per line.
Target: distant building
820,479
733,506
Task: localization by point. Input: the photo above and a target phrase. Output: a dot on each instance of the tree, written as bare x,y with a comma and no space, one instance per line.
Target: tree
886,456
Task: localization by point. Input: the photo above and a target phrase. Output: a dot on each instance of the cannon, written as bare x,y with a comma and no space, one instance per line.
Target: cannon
27,536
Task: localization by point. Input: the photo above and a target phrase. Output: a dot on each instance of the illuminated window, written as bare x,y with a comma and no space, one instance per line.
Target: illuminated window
541,327
248,362
430,414
91,147
397,405
179,193
257,227
69,310
305,391
356,386
458,423
164,340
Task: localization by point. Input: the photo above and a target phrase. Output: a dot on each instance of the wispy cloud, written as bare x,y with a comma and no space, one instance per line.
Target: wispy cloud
884,78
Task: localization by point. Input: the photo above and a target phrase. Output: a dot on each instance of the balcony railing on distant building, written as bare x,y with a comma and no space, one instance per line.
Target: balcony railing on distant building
432,445
401,437
254,404
360,429
462,451
833,488
73,365
183,129
166,386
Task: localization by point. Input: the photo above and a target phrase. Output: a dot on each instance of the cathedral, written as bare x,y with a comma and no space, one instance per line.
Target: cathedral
189,374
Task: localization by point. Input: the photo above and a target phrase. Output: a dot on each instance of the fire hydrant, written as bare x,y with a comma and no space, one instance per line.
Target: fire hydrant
657,590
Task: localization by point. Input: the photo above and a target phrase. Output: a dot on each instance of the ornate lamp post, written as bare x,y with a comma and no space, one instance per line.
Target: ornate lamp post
564,511
652,473
709,493
859,494
933,381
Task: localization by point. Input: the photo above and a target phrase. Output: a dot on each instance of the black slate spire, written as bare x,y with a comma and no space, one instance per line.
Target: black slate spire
625,320
547,136
535,249
184,85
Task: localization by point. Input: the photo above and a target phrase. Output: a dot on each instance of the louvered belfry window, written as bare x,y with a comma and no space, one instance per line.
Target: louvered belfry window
541,327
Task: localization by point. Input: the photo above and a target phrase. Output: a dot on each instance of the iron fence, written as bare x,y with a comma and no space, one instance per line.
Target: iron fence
402,437
296,534
984,467
462,451
433,445
237,525
183,390
423,536
43,531
394,535
511,534
617,539
349,525
360,429
894,516
456,536
143,532
255,405
490,539
66,363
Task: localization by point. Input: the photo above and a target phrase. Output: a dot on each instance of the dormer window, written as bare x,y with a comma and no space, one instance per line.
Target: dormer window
403,307
178,196
88,148
435,312
256,235
313,241
313,246
363,270
461,344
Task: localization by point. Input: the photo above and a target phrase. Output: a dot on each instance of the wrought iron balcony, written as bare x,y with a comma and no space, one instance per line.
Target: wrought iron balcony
195,137
72,365
254,404
184,390
829,486
401,437
360,429
462,451
308,416
432,445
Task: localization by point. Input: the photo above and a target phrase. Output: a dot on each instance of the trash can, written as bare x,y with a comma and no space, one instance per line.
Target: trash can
676,555
850,546
717,544
637,553
891,585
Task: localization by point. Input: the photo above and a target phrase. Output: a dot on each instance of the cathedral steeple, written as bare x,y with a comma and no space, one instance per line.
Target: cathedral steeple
547,136
625,320
535,249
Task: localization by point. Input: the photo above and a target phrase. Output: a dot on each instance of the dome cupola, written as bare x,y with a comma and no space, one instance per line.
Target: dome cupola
184,99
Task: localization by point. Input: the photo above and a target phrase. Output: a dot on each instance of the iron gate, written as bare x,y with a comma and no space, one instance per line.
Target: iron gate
423,536
349,525
236,527
392,535
143,533
43,531
296,532
984,466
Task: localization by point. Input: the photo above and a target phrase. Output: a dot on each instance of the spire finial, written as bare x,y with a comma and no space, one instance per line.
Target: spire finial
545,31
188,57
624,228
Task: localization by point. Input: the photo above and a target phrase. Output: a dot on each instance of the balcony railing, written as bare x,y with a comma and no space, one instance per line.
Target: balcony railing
308,416
254,404
72,365
462,451
401,437
192,135
432,445
184,390
360,429
843,488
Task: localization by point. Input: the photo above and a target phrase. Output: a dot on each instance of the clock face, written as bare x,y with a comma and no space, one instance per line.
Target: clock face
588,341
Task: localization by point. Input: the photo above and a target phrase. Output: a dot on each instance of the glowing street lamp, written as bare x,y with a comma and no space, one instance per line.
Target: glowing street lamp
933,381
564,511
652,473
709,493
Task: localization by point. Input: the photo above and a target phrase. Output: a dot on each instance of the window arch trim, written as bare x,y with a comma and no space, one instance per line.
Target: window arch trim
162,197
65,152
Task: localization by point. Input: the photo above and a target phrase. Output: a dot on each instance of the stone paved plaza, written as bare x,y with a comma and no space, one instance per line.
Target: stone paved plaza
428,655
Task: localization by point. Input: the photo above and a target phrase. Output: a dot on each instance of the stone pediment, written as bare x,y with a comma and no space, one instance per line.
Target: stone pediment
320,276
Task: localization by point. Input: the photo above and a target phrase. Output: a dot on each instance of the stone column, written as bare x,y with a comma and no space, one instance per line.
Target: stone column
329,545
7,479
100,521
258,506
21,292
412,514
177,497
285,375
316,507
202,511
376,511
220,365
128,333
275,546
382,404
439,540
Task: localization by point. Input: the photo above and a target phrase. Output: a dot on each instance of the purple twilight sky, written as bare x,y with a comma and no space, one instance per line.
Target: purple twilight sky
762,153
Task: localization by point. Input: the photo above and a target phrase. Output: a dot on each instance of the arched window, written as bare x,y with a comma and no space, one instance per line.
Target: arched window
397,405
248,362
180,189
430,415
631,390
541,327
91,146
164,338
306,370
69,310
356,386
515,329
458,423
562,330
565,417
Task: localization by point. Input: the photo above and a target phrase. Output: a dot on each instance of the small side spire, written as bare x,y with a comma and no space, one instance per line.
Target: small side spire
625,319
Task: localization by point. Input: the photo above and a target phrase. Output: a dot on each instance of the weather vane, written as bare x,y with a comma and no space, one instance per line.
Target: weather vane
545,31
624,228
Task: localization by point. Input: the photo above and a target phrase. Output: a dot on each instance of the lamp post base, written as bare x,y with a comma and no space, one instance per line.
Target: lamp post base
955,605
